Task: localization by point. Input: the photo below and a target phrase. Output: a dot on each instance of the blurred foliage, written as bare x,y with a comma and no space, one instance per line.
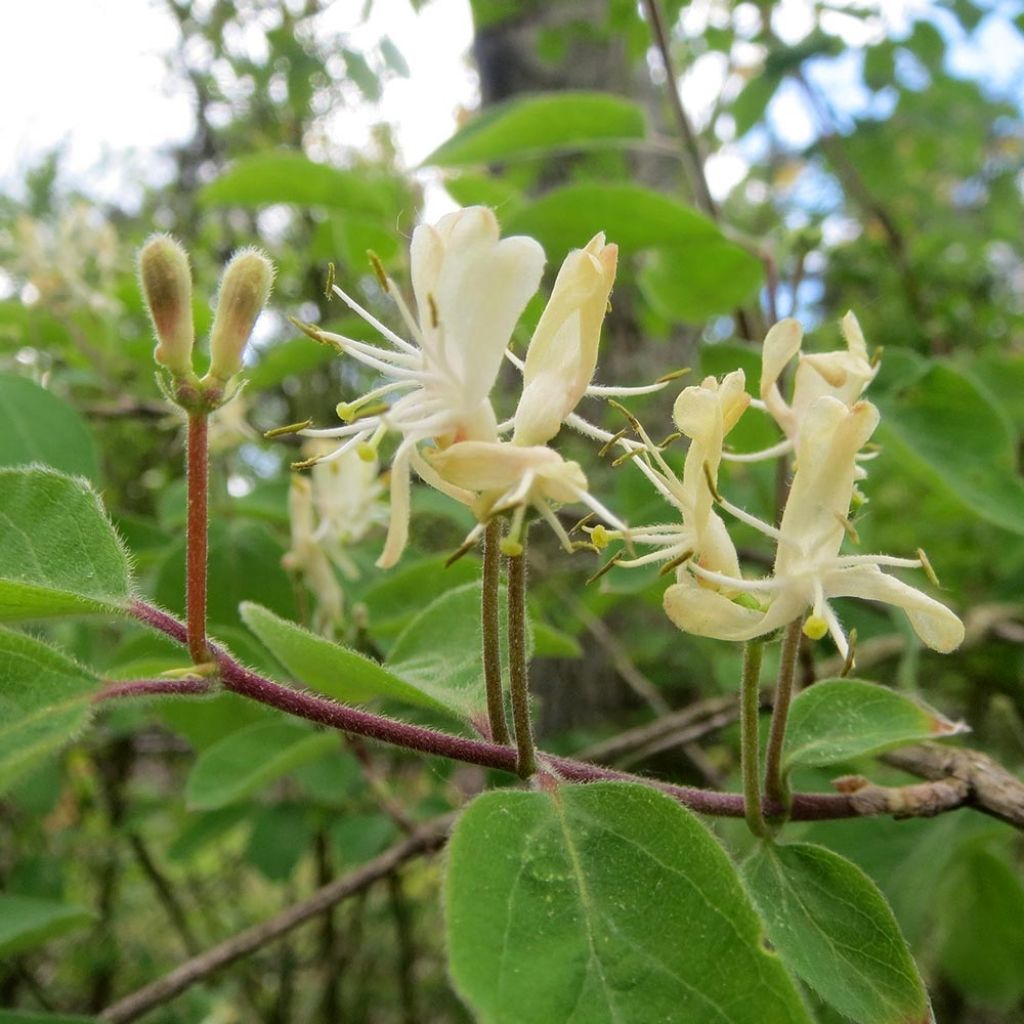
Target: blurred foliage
903,199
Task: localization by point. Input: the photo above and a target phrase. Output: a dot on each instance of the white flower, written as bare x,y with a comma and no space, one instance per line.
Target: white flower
843,375
308,557
470,288
808,567
562,356
501,476
705,413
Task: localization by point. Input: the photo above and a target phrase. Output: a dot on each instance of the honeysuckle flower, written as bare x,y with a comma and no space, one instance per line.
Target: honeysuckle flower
809,570
843,375
470,288
562,355
308,558
347,497
502,476
704,413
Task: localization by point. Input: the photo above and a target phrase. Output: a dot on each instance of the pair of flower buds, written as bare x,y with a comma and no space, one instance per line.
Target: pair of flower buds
167,286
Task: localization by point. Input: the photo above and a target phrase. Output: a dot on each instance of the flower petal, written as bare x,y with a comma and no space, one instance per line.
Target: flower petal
705,612
933,622
562,356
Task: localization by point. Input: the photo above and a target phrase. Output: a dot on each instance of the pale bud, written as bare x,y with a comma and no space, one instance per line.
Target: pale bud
167,287
244,290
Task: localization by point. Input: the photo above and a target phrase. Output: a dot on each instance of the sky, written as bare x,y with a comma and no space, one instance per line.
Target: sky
105,93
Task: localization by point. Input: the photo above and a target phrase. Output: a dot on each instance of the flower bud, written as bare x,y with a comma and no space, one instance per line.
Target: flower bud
244,289
167,287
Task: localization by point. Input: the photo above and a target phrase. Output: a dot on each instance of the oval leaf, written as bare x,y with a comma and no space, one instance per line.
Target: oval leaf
439,652
328,667
832,926
632,216
59,554
288,177
45,700
605,903
36,426
945,424
26,923
250,759
534,125
692,283
837,719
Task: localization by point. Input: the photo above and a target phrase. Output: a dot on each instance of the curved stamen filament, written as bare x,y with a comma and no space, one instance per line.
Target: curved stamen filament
753,586
782,448
385,332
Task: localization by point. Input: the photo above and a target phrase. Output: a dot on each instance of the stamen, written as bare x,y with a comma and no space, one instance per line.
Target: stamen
606,447
850,662
385,332
330,281
847,525
581,523
672,375
518,363
626,391
676,562
782,448
291,428
606,568
927,566
765,586
378,270
710,480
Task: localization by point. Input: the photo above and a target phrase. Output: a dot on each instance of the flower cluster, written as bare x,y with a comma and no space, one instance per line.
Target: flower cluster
826,424
471,287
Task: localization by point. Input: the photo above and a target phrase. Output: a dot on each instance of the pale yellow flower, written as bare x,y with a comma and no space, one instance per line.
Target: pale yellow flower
809,570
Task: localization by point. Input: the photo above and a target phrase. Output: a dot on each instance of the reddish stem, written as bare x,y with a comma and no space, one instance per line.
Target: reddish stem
153,688
235,677
197,479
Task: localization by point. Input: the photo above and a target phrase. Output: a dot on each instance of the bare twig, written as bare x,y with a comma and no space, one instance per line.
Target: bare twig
429,838
984,784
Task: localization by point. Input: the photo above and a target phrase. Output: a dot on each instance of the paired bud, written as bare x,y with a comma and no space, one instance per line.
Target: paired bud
167,287
244,290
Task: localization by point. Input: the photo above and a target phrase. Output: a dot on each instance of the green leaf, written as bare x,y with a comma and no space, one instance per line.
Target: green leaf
250,760
838,719
59,554
288,177
37,426
832,926
26,923
534,125
280,836
634,217
984,943
695,282
328,667
603,903
393,601
45,701
439,652
948,426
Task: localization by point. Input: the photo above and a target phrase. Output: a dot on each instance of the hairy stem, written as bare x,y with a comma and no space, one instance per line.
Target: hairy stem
196,535
519,684
776,789
490,631
750,705
240,680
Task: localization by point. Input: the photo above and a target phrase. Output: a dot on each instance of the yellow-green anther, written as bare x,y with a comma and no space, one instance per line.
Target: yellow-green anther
167,286
244,290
